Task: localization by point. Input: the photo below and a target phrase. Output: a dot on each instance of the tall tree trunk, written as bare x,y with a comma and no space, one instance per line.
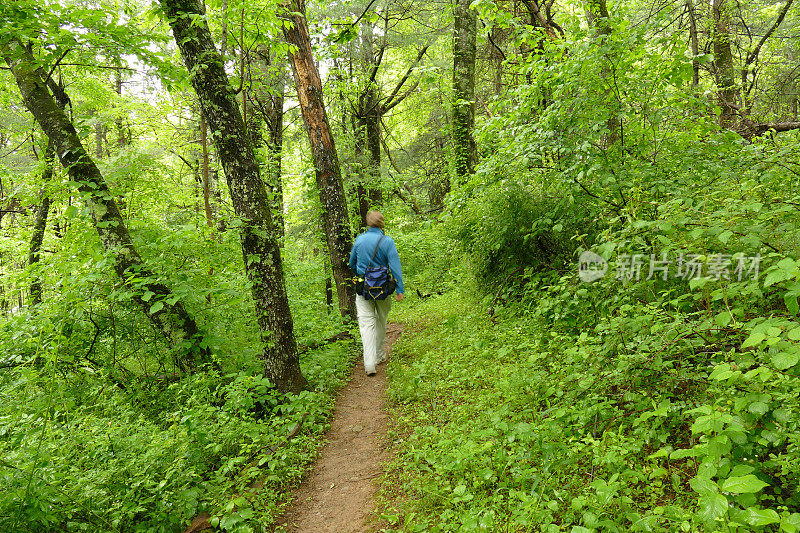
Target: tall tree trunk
364,165
265,97
464,34
723,65
206,176
260,249
597,14
690,11
177,326
99,136
326,161
122,135
40,223
372,127
369,115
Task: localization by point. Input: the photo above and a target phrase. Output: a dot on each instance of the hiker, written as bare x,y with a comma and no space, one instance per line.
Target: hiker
372,314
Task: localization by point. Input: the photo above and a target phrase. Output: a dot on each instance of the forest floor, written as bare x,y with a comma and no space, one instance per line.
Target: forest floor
339,493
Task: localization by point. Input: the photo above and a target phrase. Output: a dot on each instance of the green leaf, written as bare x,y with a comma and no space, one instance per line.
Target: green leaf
721,372
697,282
759,408
712,506
703,485
755,338
783,360
682,453
762,517
156,307
791,303
794,334
723,319
742,484
791,523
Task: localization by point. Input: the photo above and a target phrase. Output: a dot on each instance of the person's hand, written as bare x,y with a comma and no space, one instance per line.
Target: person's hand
399,296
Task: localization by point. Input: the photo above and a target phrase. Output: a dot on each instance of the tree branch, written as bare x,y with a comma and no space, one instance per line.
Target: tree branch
389,103
761,129
376,65
752,56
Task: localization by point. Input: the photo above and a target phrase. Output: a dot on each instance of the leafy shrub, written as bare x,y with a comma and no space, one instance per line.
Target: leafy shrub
512,226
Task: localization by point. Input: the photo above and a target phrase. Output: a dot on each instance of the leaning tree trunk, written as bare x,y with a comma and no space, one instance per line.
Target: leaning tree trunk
260,249
40,223
326,161
156,299
464,35
265,98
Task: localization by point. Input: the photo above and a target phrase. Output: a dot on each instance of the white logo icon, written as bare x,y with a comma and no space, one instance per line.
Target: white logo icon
591,266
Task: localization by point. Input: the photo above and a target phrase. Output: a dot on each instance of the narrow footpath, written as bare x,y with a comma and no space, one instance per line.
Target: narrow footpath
339,493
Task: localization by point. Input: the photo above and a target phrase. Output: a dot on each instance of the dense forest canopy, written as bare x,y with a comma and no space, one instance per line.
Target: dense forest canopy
596,207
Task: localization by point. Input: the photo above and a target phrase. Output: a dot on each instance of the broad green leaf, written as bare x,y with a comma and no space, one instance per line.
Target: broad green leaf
759,408
156,307
742,484
783,360
754,339
723,319
703,485
791,523
791,303
712,506
762,517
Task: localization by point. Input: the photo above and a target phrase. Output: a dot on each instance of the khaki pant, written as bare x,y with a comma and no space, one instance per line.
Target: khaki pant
372,315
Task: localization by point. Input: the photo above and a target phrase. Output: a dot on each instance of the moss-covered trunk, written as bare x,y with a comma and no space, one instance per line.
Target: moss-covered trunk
161,307
258,235
326,162
464,36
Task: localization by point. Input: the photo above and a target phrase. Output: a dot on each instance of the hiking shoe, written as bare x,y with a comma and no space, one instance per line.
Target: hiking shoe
371,373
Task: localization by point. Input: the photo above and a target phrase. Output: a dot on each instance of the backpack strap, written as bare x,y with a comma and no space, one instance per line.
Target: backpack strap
375,251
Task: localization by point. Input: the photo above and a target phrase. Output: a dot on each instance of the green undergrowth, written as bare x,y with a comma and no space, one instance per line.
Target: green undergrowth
596,407
90,457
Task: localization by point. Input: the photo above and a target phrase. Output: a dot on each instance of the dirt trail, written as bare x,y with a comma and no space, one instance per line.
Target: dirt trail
339,493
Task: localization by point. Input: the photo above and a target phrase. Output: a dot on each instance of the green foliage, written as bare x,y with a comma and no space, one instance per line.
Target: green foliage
510,225
634,403
93,457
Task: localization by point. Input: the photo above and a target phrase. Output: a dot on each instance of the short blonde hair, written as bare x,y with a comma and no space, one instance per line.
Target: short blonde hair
375,218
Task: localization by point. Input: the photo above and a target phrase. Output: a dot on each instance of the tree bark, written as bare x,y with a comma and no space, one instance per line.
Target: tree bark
260,249
205,173
326,161
727,91
597,13
464,49
368,140
265,97
695,43
40,223
175,323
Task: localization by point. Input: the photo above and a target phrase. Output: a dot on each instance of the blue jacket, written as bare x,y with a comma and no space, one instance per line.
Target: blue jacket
386,255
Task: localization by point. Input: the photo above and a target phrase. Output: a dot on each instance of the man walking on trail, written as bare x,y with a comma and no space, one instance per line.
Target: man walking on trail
372,314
